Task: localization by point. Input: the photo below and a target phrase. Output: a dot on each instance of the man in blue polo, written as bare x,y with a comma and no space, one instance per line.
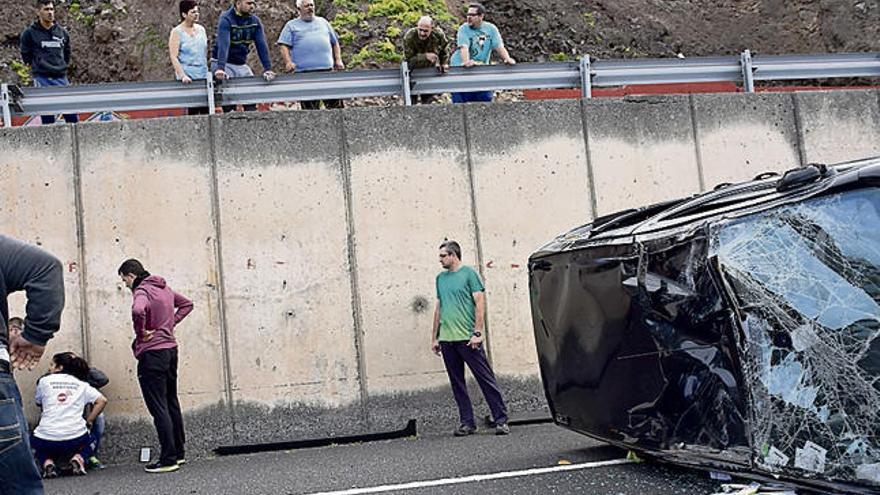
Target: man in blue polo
476,41
45,47
309,44
458,334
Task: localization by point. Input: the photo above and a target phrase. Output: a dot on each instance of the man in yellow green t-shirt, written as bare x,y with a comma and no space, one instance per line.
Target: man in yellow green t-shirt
458,334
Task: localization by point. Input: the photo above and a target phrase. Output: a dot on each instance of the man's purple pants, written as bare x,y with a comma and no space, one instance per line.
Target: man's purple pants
455,355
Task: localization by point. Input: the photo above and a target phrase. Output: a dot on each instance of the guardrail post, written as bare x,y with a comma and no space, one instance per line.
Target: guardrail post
5,101
210,87
586,79
748,76
404,79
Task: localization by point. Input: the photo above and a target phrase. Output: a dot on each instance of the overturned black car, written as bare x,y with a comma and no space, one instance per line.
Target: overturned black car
736,330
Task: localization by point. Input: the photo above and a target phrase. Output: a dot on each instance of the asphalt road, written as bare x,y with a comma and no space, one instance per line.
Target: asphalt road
533,459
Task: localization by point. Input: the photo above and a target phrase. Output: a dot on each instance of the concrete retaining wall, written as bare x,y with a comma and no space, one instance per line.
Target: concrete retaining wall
308,240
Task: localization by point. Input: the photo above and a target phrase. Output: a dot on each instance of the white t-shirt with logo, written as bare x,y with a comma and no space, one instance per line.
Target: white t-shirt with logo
63,398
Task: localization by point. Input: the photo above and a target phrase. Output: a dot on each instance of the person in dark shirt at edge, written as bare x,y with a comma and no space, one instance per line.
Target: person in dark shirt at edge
45,48
40,275
237,29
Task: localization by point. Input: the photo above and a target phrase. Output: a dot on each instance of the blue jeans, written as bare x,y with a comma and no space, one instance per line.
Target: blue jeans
43,81
473,96
97,433
18,471
61,450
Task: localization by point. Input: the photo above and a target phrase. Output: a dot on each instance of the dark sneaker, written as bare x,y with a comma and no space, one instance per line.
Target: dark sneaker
464,430
94,463
50,471
77,466
156,467
502,429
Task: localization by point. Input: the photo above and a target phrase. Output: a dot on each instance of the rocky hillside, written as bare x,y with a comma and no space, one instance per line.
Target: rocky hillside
125,40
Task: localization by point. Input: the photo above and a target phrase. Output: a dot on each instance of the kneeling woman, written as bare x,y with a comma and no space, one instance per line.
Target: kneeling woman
63,433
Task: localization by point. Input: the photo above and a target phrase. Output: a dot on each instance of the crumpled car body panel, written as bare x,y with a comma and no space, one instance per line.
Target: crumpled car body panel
736,330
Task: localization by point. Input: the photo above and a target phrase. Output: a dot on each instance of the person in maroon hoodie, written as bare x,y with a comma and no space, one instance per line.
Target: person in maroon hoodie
155,310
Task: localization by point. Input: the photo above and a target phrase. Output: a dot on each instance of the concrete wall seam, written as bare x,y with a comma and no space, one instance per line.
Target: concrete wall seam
356,314
701,175
594,202
799,129
478,240
221,280
81,242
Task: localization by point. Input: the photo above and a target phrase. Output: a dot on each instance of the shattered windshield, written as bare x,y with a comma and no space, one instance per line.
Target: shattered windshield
806,279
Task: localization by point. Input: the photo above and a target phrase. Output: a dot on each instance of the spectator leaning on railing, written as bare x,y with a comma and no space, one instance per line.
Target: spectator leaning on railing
237,29
426,46
309,44
45,47
188,48
476,41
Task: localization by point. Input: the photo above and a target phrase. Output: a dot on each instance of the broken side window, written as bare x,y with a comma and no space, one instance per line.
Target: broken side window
806,280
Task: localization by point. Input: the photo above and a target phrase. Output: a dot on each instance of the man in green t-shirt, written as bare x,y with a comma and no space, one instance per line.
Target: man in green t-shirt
457,334
426,46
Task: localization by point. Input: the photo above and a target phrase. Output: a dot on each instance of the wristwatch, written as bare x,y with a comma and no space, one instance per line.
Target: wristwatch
478,334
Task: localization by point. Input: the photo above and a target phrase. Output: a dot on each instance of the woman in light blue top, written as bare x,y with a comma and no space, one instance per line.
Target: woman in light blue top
188,45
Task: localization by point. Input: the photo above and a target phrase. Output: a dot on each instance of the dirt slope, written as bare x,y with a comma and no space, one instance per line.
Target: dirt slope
125,40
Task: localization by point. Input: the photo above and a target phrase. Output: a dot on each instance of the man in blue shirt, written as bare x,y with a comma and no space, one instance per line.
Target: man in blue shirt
309,43
237,28
477,39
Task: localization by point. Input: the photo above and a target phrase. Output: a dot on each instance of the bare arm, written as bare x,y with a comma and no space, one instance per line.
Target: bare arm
337,57
465,56
98,408
173,52
289,66
505,56
479,319
435,329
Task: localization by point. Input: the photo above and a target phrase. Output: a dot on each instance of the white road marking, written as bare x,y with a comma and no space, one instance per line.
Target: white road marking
476,477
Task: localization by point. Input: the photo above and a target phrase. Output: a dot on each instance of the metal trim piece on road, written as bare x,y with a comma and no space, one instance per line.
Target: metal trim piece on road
477,477
408,431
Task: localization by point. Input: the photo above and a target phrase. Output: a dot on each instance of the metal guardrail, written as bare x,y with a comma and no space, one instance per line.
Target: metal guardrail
585,74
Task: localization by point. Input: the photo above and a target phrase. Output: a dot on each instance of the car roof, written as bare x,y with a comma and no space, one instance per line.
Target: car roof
724,200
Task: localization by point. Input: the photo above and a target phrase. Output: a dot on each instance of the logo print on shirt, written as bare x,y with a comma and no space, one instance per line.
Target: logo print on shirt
62,397
476,44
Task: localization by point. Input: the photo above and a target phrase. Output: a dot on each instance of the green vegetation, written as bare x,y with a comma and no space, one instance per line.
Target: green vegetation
345,37
384,20
345,19
22,71
379,52
342,5
590,19
151,45
76,12
560,57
